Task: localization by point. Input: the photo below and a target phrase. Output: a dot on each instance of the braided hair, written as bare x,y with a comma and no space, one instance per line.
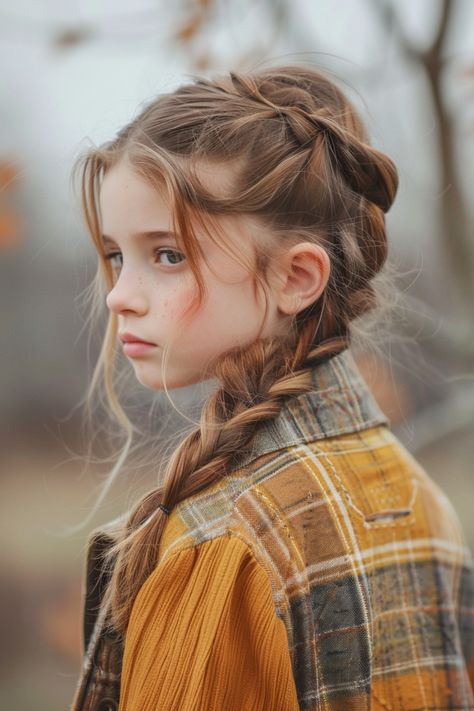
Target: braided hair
303,167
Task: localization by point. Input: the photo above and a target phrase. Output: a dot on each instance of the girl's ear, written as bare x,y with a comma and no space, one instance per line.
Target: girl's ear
302,274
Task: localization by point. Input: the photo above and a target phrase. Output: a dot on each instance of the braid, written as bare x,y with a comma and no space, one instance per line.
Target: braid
255,383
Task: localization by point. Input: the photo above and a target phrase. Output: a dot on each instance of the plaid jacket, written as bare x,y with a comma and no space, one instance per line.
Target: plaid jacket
364,555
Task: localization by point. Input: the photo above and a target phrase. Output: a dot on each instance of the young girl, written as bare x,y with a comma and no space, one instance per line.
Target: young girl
293,554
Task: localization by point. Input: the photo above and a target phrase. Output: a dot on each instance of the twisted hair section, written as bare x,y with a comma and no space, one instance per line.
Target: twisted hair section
302,168
367,171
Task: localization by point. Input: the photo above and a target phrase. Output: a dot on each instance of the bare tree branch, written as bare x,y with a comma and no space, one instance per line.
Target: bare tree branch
455,234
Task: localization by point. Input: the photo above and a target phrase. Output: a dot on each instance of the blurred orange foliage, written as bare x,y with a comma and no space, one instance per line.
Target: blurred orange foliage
192,24
11,226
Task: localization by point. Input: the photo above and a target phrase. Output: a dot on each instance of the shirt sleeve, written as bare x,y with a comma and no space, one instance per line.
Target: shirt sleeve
204,636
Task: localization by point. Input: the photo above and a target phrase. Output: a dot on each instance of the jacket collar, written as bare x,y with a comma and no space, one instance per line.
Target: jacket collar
339,403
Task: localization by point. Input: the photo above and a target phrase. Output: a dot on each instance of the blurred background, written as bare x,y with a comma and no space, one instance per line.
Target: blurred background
74,73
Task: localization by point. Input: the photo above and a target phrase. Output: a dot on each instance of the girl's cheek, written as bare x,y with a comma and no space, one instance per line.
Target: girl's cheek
180,303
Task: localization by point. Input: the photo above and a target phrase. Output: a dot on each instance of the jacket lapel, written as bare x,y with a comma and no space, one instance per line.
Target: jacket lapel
100,674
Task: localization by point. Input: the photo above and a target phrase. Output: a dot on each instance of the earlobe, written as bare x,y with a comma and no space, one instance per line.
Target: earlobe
305,271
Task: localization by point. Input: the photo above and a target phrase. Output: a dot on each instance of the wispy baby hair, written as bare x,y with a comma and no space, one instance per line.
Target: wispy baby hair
303,169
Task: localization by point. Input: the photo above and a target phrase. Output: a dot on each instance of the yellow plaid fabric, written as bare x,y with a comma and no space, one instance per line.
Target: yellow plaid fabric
361,556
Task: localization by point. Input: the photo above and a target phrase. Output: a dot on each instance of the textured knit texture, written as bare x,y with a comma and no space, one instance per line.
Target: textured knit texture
327,571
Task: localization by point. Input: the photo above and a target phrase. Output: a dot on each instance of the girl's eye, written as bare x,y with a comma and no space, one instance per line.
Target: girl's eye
111,256
175,257
174,254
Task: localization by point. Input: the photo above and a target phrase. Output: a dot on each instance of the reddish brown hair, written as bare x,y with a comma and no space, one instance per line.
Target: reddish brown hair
303,168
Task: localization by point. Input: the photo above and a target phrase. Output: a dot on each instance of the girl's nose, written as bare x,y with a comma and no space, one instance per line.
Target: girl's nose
126,295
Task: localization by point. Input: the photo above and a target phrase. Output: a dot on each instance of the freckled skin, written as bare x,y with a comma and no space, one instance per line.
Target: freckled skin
154,299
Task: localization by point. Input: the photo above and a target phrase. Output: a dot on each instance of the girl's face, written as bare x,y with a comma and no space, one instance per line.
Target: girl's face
155,294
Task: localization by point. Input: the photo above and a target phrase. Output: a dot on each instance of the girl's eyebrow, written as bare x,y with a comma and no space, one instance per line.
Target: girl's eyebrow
153,234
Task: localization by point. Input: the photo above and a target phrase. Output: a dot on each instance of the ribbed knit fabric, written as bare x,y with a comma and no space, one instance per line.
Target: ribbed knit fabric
204,635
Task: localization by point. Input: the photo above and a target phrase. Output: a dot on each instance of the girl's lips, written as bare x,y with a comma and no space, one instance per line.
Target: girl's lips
134,348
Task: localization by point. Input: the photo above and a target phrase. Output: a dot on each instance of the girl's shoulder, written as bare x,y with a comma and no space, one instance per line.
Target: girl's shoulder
327,469
361,551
